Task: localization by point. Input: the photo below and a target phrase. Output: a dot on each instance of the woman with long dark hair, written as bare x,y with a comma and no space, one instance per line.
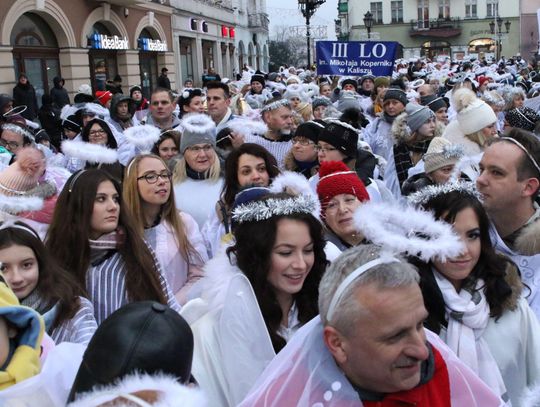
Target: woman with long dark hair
40,283
258,293
94,238
248,165
476,301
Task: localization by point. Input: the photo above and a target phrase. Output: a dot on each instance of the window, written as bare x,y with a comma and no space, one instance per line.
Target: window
376,10
444,9
470,8
423,14
397,11
492,8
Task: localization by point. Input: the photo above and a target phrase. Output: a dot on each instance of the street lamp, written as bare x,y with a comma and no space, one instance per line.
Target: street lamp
308,8
368,22
499,22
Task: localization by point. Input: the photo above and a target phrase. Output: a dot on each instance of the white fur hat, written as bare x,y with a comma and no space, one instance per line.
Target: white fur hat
473,114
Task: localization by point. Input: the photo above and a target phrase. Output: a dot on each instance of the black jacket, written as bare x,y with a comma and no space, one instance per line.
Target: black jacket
26,95
164,82
59,94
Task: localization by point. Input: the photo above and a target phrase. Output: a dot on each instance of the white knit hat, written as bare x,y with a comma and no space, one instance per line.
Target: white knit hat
473,114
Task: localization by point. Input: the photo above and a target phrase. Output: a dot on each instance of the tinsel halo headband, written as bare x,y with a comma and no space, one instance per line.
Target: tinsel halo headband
429,192
267,208
275,105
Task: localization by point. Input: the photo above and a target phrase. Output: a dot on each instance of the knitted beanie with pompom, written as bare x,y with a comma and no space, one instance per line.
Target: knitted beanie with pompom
335,178
473,114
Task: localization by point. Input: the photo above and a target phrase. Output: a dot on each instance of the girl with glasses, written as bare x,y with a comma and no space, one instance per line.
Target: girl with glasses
302,157
97,132
174,235
94,237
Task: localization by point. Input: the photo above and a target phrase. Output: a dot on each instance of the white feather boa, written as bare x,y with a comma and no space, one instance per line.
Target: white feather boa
247,127
17,204
169,393
93,153
68,110
198,124
144,136
96,109
531,398
407,230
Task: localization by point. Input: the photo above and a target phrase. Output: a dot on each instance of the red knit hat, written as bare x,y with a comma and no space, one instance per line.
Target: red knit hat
335,178
103,96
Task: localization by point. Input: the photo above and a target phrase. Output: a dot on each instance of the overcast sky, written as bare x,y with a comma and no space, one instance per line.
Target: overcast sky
287,12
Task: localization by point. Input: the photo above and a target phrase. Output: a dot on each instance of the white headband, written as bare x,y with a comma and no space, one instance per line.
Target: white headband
517,143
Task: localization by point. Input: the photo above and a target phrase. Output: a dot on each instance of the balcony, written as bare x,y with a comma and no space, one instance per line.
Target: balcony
258,21
436,28
128,3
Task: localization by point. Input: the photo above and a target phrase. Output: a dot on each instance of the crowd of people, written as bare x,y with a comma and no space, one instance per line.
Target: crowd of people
282,239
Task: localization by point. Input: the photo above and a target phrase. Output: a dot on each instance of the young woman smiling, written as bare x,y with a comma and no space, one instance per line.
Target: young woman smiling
475,301
41,284
248,165
173,235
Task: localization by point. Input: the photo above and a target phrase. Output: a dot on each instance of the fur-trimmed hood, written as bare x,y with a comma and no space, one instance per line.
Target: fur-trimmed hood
401,132
157,391
528,241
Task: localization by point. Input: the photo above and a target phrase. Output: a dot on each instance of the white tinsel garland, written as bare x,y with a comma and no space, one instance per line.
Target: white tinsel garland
262,210
93,153
143,136
431,191
17,204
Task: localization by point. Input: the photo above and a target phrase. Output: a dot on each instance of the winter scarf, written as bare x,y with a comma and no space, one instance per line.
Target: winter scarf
468,316
105,245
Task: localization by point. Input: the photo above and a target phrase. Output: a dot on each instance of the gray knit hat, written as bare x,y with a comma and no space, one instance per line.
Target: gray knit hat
440,153
397,94
197,129
417,115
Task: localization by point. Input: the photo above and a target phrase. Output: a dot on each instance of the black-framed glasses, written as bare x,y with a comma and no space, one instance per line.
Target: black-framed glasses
11,145
302,141
152,177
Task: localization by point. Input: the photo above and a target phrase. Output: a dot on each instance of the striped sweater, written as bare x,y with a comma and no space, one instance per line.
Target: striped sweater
278,149
78,329
106,286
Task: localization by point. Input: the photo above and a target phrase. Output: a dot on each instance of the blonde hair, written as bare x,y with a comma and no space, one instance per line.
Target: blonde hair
478,137
133,203
180,170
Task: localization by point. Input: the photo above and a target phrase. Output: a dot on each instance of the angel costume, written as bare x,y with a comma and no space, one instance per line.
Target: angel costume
304,373
231,342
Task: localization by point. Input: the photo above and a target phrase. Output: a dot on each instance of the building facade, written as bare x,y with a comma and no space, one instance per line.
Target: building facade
437,28
85,42
222,35
92,41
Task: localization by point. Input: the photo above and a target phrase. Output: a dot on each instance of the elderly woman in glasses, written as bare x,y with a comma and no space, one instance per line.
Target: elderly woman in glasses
197,175
174,235
302,157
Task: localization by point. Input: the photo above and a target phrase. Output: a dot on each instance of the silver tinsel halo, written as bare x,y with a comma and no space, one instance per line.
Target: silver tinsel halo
431,191
262,210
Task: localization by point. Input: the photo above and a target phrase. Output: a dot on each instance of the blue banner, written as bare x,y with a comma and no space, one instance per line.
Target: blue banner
356,58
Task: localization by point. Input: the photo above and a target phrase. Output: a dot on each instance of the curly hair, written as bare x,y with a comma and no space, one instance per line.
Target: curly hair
491,266
253,257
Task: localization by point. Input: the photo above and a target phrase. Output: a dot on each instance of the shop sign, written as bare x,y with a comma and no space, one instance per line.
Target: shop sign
147,44
101,41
